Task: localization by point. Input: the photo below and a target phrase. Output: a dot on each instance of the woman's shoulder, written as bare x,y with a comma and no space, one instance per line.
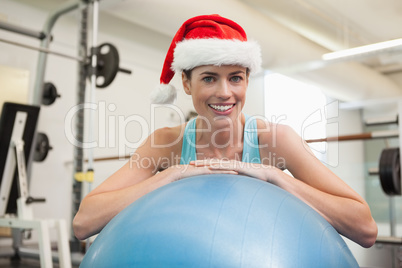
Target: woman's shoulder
265,125
269,132
168,135
163,146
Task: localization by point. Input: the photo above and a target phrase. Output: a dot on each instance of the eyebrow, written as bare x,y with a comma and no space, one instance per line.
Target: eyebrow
215,74
208,73
237,72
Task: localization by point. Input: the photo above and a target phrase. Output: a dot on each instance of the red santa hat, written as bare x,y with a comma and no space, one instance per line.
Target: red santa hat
206,40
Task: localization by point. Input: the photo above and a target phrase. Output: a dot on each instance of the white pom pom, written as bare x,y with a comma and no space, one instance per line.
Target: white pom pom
164,94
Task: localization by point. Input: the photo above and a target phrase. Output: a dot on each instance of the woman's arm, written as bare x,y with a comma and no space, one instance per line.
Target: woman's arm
126,185
112,196
135,179
319,187
348,214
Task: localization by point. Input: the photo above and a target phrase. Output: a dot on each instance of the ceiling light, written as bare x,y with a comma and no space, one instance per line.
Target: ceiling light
363,50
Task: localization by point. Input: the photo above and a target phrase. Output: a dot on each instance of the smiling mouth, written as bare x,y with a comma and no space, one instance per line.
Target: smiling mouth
221,108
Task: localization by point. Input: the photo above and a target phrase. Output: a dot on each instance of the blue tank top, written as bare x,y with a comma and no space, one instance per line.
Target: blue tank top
251,153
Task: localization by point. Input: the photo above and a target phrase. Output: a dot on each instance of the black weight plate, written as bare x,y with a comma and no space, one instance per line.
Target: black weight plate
49,93
107,64
42,147
390,171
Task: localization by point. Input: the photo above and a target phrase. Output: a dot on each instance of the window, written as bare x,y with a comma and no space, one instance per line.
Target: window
298,105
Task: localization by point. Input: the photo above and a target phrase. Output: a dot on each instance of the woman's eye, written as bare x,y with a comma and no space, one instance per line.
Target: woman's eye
236,79
208,79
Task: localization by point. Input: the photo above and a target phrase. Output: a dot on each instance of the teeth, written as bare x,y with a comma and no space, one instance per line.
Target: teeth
221,107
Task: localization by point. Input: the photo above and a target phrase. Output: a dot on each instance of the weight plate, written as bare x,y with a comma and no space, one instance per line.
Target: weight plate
42,147
49,93
390,171
107,64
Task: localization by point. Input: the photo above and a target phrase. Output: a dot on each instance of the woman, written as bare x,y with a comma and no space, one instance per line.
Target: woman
215,59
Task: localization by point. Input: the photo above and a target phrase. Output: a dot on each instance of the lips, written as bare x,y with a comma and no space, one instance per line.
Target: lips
220,107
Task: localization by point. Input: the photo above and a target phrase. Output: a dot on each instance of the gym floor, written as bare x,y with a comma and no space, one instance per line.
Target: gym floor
6,262
24,263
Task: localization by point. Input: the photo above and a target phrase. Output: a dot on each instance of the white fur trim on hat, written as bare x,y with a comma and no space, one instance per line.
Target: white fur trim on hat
191,53
164,94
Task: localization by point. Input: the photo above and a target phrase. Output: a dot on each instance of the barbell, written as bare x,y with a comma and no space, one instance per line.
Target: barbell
383,134
108,61
389,170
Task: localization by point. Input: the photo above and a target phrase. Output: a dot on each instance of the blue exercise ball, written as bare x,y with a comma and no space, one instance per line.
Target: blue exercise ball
219,221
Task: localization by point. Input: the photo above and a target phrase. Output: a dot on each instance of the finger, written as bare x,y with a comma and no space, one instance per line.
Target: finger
232,172
200,163
222,166
214,163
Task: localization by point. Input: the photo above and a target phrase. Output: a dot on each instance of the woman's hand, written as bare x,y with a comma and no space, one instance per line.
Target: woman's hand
259,171
185,171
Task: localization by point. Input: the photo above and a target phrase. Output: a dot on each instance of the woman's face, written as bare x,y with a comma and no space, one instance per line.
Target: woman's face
218,92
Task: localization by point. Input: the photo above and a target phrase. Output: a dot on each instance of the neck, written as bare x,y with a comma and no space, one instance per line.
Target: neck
222,134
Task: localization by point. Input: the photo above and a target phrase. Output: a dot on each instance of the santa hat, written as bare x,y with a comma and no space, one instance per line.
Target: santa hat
205,40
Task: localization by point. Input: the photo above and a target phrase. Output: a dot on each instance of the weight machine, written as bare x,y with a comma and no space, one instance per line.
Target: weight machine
17,131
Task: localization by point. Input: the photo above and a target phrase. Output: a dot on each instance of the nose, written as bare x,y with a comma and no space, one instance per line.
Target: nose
224,91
